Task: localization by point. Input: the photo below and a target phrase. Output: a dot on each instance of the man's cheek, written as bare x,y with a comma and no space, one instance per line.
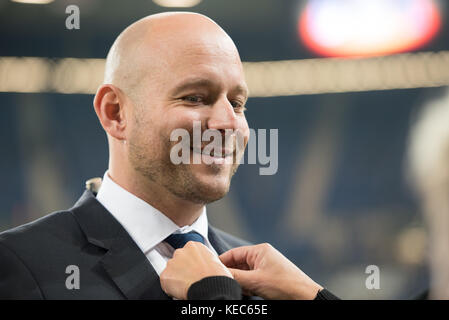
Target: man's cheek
242,139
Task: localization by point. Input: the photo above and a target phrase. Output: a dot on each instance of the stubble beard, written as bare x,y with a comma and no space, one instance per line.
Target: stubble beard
179,179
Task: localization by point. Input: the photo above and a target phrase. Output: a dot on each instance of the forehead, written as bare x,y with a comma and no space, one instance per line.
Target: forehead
208,56
209,59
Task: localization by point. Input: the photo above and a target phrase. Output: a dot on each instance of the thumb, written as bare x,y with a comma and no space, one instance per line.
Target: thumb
243,277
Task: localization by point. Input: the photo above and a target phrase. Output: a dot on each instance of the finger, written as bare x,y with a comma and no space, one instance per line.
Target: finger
245,278
236,256
238,275
243,266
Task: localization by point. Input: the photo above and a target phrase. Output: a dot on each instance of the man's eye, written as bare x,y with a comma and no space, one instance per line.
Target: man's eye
193,99
238,106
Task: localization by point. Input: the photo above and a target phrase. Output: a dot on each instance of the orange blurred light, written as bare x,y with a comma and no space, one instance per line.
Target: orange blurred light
368,27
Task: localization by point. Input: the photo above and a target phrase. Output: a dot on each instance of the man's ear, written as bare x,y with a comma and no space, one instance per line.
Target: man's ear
109,106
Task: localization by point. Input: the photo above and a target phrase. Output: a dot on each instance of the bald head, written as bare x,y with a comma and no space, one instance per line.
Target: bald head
164,73
149,45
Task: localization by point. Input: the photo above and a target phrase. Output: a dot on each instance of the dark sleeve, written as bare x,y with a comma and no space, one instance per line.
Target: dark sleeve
225,288
215,288
16,281
325,295
424,295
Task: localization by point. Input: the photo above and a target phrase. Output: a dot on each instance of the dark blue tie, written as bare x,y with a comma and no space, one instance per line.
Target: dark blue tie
178,240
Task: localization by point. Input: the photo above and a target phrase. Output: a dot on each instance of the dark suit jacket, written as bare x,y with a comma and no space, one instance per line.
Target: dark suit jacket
34,257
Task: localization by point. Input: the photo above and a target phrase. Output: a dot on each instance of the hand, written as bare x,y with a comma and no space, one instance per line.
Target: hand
263,271
190,264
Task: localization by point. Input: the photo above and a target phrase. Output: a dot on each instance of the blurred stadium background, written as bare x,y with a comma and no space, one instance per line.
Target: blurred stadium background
342,80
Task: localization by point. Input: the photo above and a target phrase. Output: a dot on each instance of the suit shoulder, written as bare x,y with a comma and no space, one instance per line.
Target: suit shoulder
53,227
231,239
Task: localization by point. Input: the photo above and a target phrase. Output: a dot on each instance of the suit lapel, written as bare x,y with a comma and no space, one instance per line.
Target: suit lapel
217,242
131,271
124,262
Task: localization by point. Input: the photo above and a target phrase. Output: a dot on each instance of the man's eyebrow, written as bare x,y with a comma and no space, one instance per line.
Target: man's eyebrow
203,82
192,83
240,89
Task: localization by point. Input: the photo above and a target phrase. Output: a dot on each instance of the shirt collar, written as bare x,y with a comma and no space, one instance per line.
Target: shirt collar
144,223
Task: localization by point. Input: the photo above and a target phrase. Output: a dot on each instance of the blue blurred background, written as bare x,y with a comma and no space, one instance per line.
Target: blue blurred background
340,200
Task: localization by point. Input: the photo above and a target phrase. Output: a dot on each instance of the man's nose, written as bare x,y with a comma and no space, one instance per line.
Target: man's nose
222,116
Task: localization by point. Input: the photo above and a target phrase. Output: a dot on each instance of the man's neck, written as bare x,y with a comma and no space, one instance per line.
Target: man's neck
180,211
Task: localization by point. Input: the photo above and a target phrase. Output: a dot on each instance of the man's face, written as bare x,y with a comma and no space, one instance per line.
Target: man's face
198,80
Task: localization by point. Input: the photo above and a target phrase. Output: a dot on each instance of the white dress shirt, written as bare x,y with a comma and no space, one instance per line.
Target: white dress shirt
146,225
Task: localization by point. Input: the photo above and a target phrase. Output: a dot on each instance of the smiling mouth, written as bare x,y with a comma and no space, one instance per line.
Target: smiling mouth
220,153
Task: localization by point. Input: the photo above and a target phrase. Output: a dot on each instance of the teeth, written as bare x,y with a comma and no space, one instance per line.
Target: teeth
196,150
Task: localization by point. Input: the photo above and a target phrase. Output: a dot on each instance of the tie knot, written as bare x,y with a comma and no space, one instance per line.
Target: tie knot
178,240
